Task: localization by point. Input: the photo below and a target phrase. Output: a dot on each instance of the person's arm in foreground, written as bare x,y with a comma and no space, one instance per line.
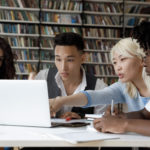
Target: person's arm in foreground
90,98
122,125
79,99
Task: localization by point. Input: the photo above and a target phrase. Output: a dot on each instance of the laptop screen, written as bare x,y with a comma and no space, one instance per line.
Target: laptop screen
25,103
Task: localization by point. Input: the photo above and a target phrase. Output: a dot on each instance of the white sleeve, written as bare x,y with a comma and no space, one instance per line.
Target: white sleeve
100,84
42,75
147,106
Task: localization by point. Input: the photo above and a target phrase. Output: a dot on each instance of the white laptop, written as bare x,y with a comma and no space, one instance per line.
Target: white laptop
24,103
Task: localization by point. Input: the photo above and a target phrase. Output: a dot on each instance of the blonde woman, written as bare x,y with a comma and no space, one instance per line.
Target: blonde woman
133,87
138,121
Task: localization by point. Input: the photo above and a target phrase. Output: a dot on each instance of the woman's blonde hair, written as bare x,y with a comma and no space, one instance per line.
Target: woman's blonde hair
129,47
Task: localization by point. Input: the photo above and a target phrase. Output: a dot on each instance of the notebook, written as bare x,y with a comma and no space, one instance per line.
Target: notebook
24,103
78,136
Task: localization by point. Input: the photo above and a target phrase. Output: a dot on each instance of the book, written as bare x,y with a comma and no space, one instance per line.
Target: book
75,137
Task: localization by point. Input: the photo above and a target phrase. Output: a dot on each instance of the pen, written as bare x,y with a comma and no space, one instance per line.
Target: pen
112,107
120,108
68,118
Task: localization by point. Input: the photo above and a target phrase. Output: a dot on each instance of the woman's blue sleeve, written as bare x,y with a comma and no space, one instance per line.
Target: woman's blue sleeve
105,96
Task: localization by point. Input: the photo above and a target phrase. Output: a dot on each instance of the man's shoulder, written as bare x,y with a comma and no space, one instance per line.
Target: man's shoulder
54,69
52,72
91,81
42,75
90,76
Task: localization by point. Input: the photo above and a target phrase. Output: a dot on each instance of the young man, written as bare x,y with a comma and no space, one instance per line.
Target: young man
69,76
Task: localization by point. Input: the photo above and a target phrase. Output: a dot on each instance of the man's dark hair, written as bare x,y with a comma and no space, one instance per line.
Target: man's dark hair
141,32
69,39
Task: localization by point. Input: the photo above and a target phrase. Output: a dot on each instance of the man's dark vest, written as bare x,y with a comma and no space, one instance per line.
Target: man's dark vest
54,91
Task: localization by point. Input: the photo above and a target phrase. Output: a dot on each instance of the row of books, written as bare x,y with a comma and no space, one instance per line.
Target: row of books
62,4
22,41
18,15
46,65
25,67
20,3
110,81
133,8
72,5
99,44
53,30
97,57
101,20
26,54
132,21
47,55
61,18
65,18
89,44
47,43
104,7
8,3
28,3
19,28
100,70
101,32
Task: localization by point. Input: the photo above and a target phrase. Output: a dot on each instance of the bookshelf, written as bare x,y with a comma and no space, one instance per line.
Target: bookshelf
31,25
102,28
57,16
135,11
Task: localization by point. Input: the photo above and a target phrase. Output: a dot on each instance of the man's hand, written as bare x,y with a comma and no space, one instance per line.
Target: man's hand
70,115
112,124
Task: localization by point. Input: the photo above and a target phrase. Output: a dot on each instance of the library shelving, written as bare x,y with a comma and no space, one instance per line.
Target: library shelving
135,12
102,28
31,25
56,17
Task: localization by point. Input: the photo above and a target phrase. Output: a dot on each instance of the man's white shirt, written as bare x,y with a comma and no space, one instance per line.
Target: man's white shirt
42,75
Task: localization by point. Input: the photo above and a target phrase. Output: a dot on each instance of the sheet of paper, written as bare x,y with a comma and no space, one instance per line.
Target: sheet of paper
93,116
57,120
82,136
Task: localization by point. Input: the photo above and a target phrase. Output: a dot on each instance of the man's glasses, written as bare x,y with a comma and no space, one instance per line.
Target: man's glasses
1,58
